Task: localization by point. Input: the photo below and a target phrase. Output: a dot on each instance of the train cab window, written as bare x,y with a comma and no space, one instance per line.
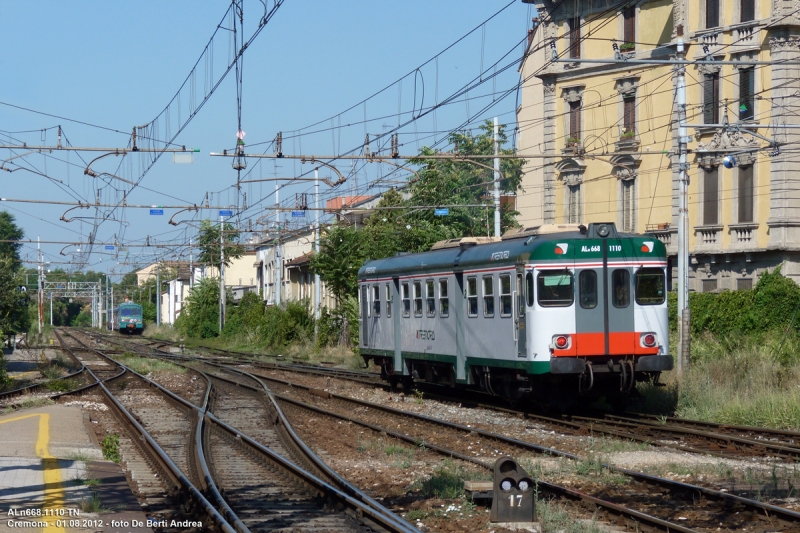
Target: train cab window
650,286
555,288
125,312
488,296
506,305
529,288
417,298
520,295
388,300
587,289
406,300
444,301
621,287
430,298
472,297
376,300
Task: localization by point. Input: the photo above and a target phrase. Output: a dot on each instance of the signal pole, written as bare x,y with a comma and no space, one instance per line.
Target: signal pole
317,288
221,275
683,214
40,295
496,179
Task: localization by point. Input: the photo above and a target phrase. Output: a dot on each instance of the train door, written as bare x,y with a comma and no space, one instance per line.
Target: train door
364,319
520,333
591,311
621,335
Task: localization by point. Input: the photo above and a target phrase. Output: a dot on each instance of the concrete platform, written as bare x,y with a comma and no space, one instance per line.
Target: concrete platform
46,456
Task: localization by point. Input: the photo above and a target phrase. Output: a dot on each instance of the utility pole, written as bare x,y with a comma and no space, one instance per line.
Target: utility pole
221,275
158,293
683,215
496,179
40,295
317,288
51,309
191,266
278,262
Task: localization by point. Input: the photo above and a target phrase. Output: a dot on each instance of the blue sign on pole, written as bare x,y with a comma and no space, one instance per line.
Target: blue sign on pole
109,246
225,213
156,211
298,213
441,212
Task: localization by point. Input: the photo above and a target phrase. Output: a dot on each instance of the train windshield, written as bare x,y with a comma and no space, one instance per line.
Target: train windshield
650,286
129,311
555,288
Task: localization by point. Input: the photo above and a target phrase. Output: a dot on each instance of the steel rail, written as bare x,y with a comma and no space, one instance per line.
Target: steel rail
179,478
780,512
389,522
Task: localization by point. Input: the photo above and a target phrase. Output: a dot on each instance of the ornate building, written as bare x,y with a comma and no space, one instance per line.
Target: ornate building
610,129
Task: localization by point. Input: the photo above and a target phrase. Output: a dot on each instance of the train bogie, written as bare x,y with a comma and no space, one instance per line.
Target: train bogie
560,313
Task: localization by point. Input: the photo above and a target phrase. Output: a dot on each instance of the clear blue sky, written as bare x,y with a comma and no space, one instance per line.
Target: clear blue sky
117,65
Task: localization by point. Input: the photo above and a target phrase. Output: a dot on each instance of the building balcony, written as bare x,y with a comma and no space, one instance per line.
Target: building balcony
627,144
664,233
746,36
708,239
743,236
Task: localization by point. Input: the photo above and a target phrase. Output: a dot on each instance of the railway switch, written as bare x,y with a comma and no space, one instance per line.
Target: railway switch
514,493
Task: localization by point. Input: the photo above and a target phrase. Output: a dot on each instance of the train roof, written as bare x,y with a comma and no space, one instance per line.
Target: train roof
524,247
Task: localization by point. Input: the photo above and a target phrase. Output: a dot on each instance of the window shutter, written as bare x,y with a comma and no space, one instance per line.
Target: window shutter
574,37
629,113
745,194
628,209
746,91
629,24
575,120
710,198
712,13
711,99
747,9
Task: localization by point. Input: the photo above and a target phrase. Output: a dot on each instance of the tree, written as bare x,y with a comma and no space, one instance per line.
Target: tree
208,242
200,314
9,231
13,301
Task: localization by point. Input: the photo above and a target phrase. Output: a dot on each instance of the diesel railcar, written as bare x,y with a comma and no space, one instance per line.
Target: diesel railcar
127,318
555,314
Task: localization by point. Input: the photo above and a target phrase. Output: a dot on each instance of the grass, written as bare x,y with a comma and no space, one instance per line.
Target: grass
740,380
91,504
605,445
554,517
146,365
447,482
29,404
110,447
57,385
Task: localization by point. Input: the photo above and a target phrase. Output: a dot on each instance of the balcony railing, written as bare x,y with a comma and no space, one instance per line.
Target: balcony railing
708,238
743,236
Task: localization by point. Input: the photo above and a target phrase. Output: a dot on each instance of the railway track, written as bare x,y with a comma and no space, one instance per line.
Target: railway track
727,441
714,507
252,485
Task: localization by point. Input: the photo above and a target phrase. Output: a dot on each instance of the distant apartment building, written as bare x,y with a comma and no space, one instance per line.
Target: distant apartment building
608,131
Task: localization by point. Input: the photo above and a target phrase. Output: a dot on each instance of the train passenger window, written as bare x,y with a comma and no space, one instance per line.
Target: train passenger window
621,287
529,288
506,306
520,295
430,298
555,288
376,300
650,286
488,296
444,301
472,297
587,289
406,300
388,301
417,298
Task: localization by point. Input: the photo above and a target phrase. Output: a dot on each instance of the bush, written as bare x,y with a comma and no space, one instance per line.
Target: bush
200,316
770,306
273,326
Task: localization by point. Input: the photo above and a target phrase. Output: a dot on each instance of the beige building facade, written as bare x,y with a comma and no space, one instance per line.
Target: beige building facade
609,130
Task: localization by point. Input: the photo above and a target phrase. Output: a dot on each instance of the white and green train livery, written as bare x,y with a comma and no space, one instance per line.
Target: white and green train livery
555,313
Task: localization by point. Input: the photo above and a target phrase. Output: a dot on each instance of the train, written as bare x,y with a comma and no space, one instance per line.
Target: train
558,315
127,318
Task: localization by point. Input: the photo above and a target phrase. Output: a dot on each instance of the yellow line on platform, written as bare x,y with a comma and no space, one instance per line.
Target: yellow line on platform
53,490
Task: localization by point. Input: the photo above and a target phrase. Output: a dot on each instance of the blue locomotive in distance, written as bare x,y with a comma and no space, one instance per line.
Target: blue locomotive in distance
128,318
